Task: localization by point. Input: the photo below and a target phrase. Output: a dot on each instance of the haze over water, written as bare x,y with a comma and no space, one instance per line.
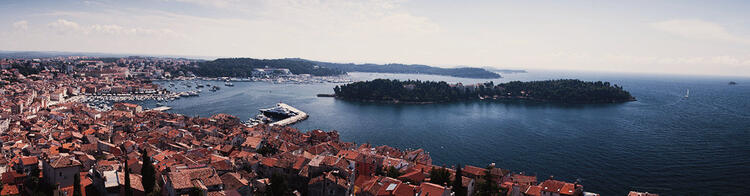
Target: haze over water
662,143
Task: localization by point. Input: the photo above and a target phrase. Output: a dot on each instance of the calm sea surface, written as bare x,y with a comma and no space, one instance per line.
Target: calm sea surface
662,143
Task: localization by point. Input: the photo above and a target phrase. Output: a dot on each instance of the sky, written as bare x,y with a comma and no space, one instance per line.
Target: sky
673,37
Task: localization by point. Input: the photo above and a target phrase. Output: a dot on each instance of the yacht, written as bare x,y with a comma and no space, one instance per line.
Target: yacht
277,112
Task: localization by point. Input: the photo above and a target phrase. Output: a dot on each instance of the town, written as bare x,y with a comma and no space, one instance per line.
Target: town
54,143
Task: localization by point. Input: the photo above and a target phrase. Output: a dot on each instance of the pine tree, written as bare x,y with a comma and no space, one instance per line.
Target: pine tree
128,191
440,176
77,185
458,183
393,172
278,185
149,174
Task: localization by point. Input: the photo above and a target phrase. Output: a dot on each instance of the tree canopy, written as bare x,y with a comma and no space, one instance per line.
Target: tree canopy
440,176
464,72
148,172
564,91
243,67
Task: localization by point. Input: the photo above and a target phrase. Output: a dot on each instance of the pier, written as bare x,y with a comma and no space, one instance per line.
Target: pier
293,119
161,109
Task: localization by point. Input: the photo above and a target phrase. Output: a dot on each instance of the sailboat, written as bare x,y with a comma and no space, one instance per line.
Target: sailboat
687,94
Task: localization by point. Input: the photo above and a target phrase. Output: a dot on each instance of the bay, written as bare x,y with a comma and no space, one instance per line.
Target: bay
662,143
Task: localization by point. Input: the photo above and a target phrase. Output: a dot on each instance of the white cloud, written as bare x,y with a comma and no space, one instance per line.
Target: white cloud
385,31
63,26
214,3
699,29
21,25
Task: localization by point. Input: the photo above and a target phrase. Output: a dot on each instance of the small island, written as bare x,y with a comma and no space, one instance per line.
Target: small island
415,91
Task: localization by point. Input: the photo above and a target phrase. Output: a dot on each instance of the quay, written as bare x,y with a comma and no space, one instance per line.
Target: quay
161,109
326,95
291,120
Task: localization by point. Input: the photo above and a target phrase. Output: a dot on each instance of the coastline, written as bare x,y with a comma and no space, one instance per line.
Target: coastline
483,99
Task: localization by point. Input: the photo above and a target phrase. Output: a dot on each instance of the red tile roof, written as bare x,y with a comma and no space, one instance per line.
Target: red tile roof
476,171
556,186
29,160
531,190
65,161
431,189
633,193
9,190
415,176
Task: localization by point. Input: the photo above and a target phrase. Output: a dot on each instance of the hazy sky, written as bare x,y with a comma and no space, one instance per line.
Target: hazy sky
681,37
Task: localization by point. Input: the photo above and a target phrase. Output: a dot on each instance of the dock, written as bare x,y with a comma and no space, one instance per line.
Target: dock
161,109
291,120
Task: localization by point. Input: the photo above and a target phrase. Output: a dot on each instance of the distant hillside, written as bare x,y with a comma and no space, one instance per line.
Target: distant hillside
243,67
505,71
410,69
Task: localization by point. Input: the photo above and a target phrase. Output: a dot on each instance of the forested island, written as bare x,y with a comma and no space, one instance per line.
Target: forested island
415,91
243,67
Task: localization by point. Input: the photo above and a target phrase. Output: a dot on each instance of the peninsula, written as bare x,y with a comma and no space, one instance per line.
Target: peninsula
415,91
244,67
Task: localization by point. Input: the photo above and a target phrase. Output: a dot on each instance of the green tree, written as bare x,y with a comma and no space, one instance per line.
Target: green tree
393,172
148,172
77,185
278,185
488,186
458,183
128,191
195,191
267,150
440,176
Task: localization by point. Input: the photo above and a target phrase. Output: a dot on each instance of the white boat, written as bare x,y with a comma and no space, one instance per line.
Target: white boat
228,83
687,94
